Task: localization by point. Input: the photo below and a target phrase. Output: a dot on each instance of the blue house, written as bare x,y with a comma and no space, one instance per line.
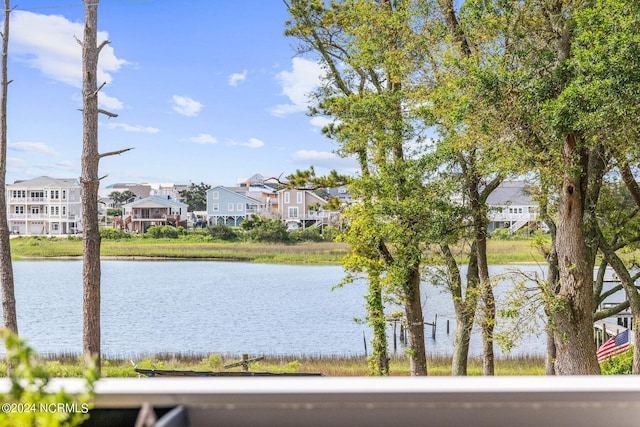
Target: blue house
227,207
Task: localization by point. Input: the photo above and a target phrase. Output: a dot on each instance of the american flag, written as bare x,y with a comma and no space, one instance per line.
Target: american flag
614,345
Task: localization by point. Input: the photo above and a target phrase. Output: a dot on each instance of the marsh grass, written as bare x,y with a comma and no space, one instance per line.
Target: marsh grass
70,365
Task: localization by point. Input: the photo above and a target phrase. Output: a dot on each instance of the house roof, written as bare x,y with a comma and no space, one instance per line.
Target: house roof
46,182
511,193
234,191
153,201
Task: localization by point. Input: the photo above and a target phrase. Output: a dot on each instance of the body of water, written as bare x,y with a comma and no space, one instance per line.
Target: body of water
218,307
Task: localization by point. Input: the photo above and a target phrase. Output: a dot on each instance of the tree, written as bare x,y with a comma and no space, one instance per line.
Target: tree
196,196
121,197
89,184
6,268
373,55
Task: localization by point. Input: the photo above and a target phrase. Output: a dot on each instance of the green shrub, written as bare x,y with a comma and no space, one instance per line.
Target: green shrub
221,232
113,234
621,364
310,234
261,229
330,233
161,232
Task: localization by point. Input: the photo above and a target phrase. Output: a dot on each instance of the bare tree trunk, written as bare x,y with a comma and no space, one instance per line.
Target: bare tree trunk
89,187
9,315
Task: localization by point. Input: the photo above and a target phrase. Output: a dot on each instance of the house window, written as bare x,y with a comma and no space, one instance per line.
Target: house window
293,212
286,197
55,194
54,226
35,210
18,194
64,194
239,207
230,207
55,210
19,209
37,194
215,207
299,197
215,195
64,210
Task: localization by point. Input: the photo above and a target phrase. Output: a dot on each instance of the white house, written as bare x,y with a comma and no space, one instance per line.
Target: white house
44,205
511,206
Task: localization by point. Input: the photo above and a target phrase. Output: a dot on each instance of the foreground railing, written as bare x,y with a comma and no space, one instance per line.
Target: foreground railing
400,401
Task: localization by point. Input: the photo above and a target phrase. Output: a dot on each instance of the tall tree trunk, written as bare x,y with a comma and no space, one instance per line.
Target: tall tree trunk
9,315
415,323
89,187
553,277
573,319
488,306
465,308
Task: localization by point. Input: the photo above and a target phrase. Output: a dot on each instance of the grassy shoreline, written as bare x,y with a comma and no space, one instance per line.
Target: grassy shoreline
71,365
315,253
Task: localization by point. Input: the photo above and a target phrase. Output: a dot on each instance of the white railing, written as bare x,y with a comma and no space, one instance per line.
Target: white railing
334,401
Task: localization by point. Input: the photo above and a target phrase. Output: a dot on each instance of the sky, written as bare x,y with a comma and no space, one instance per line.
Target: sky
205,91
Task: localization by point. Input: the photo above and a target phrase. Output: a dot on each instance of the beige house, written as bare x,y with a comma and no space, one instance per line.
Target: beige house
44,205
302,209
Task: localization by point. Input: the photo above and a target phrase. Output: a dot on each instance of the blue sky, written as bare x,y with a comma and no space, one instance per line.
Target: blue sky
206,91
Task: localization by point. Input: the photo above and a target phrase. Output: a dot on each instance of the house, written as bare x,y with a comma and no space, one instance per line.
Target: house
226,206
44,205
139,215
303,208
511,206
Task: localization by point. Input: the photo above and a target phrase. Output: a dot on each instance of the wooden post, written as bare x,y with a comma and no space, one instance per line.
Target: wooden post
364,338
245,363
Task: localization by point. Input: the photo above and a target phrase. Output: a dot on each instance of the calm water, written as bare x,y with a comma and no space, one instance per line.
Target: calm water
206,307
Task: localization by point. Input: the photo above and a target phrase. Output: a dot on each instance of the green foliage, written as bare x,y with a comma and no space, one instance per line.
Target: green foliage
29,403
214,362
161,232
221,232
309,234
114,212
330,233
196,196
260,229
113,234
621,364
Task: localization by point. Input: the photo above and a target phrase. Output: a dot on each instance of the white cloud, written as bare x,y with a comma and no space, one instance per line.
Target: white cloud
109,102
321,121
325,159
186,106
252,143
235,78
203,138
65,165
129,128
47,43
32,147
297,84
16,163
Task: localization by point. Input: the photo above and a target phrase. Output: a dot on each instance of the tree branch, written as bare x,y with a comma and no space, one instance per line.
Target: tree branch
113,153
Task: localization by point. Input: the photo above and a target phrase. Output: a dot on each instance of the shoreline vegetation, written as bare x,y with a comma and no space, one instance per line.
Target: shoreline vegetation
71,365
518,250
522,250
